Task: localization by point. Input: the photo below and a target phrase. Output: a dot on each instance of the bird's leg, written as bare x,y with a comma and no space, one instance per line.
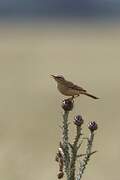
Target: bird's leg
71,98
76,96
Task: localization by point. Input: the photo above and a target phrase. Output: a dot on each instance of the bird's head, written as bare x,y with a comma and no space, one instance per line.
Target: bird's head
58,78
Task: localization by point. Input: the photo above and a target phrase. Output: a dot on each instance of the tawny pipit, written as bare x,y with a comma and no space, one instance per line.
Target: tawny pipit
67,88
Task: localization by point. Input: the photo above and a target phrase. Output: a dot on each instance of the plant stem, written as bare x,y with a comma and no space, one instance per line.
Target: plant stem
66,144
74,153
87,156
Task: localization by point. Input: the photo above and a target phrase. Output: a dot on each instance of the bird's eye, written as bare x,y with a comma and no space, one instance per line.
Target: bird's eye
60,77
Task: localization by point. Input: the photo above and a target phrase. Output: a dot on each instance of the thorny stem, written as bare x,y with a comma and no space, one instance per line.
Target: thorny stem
87,156
74,153
65,143
67,159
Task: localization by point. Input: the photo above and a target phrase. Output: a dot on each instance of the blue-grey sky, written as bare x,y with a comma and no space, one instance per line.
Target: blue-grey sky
59,7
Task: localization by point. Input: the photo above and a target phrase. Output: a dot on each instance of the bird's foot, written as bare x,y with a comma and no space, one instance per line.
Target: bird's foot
72,98
76,96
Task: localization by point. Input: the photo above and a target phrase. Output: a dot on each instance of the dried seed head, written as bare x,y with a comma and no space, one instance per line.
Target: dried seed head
93,126
78,120
67,104
61,153
60,175
57,157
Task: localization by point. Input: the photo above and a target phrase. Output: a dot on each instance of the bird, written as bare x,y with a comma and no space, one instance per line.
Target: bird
68,88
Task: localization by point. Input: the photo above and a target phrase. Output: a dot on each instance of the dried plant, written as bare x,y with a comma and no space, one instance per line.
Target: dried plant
69,153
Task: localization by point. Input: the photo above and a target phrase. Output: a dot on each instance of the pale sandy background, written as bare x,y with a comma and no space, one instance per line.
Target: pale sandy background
30,112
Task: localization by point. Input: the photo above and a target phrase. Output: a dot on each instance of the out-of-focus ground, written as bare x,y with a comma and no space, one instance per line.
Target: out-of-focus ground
30,112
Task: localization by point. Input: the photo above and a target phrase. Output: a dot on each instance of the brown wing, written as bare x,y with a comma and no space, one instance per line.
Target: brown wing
73,86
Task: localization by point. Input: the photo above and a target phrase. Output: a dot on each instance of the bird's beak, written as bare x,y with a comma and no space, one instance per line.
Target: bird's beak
53,76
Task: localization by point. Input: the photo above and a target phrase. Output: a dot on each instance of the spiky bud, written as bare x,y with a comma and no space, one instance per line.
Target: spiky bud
78,120
93,126
67,104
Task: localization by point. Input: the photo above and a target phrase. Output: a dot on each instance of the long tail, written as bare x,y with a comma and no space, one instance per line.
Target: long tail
90,95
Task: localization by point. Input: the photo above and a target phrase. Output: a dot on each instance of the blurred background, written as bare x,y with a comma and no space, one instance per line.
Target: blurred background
77,39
